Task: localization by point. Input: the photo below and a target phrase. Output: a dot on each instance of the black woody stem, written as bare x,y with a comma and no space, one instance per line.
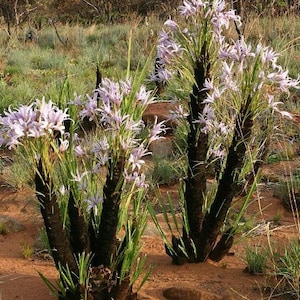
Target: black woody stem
197,151
56,232
228,186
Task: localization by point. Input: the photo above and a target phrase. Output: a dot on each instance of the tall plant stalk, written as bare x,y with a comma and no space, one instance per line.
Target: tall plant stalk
57,235
106,243
90,189
61,247
233,90
228,188
197,142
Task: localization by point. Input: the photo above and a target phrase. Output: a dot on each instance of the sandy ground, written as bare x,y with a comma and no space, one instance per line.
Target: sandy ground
227,279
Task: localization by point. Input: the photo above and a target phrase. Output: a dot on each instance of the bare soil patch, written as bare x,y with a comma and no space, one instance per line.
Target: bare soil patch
227,279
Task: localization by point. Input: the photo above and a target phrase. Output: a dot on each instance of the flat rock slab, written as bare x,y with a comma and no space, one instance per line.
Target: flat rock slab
10,224
162,148
163,111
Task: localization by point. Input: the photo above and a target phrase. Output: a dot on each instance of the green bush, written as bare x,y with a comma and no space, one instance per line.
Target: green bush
165,171
256,260
46,40
287,272
47,60
289,192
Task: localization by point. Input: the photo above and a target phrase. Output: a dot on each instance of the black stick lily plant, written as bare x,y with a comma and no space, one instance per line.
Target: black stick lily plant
90,185
232,89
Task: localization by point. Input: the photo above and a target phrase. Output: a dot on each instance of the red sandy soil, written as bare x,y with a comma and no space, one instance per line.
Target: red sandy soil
224,280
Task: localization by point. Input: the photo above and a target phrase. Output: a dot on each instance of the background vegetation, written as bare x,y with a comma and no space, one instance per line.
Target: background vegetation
37,13
53,48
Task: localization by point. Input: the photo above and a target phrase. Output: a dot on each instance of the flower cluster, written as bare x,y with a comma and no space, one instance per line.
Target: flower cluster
118,107
241,71
37,120
239,60
113,102
167,50
174,41
246,73
214,12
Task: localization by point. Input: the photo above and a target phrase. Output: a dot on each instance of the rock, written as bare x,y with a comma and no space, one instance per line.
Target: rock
10,224
177,293
161,110
163,147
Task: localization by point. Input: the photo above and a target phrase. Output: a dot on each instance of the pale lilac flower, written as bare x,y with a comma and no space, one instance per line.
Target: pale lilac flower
63,190
200,4
211,97
238,52
33,121
156,130
207,114
176,49
128,176
139,180
271,101
171,24
269,55
222,128
51,117
181,112
102,158
78,177
79,151
9,139
227,69
26,114
274,106
93,202
101,150
161,75
227,74
243,50
105,111
63,145
20,122
90,109
206,119
135,158
136,162
134,126
117,120
165,54
144,96
163,37
178,113
188,9
221,18
167,48
127,143
283,80
77,100
126,87
37,131
208,84
286,114
109,92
